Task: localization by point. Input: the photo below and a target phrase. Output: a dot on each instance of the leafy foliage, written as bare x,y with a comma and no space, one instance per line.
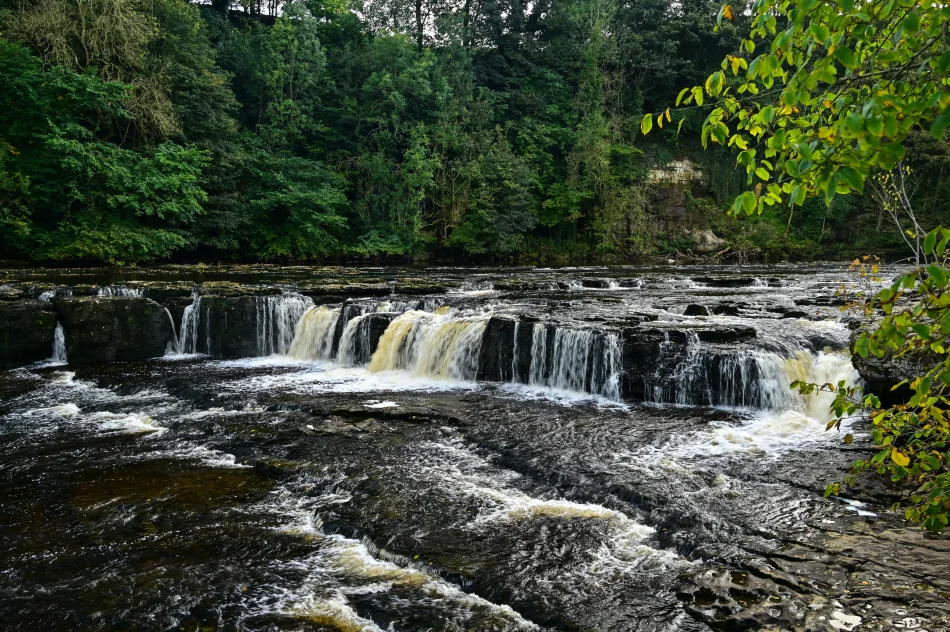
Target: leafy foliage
912,439
823,93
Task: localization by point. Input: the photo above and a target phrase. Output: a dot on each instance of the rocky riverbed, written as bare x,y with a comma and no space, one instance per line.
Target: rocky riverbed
266,448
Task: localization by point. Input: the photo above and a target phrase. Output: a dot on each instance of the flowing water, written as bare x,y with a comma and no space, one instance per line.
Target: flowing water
472,458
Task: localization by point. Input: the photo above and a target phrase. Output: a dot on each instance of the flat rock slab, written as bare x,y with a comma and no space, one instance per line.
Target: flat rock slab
106,329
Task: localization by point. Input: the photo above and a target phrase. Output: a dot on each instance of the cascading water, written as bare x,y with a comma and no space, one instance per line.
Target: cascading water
748,378
354,342
277,318
576,360
174,345
313,338
120,291
190,320
441,345
59,345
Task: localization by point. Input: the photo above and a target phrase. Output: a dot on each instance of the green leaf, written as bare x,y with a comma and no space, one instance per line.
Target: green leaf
762,173
679,97
748,202
646,124
940,124
938,275
930,241
845,56
853,179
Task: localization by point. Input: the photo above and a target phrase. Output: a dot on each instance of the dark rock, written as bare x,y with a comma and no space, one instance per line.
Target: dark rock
882,374
228,327
27,332
419,286
105,329
10,293
792,313
724,334
372,328
231,289
725,309
370,287
725,281
696,310
601,284
821,301
496,359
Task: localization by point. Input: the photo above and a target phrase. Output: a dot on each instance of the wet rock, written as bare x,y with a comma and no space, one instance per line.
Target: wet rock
497,353
724,334
821,301
696,310
230,289
10,293
365,287
725,281
726,309
233,332
27,332
419,286
105,329
882,374
600,284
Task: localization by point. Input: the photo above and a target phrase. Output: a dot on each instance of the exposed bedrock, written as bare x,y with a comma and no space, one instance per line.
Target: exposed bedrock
26,334
106,329
882,374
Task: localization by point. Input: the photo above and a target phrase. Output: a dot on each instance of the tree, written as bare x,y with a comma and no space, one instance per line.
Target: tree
912,439
823,93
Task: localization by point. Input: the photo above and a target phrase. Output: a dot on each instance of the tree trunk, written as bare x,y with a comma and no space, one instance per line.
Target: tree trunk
220,6
466,36
419,24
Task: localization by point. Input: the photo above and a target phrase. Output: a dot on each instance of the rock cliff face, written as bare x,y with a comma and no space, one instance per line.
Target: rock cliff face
26,333
107,329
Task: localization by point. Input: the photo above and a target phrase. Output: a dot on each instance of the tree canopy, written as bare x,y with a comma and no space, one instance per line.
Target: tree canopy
136,130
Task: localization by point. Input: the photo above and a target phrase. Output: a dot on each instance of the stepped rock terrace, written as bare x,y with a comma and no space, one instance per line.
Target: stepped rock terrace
295,448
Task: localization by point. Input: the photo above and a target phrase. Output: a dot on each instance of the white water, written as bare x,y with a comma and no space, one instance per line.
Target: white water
59,345
121,291
313,337
579,360
190,319
277,318
440,345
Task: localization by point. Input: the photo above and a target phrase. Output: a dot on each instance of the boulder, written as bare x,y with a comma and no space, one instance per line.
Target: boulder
882,374
696,310
228,326
106,329
705,241
27,332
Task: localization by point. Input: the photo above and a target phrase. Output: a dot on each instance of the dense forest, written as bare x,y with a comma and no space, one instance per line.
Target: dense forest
313,130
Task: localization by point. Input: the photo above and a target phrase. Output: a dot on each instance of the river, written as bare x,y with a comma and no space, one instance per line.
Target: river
604,448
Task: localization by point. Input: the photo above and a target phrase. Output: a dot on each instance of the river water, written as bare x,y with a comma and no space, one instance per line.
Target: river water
325,485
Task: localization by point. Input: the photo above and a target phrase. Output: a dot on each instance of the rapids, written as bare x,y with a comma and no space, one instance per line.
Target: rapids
451,449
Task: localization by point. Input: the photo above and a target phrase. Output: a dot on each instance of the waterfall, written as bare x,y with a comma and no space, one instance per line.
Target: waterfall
59,345
120,290
576,360
174,345
748,378
313,338
440,345
515,353
354,343
190,319
277,318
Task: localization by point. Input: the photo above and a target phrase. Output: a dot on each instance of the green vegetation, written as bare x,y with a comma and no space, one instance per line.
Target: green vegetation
136,130
912,439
